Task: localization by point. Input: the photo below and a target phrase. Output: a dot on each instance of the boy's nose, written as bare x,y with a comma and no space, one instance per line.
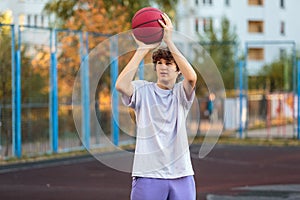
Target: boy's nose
164,66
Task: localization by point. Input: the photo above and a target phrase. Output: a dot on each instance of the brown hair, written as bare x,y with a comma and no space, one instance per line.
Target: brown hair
163,53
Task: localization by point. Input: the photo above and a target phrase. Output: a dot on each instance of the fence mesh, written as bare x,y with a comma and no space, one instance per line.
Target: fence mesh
270,102
5,92
35,62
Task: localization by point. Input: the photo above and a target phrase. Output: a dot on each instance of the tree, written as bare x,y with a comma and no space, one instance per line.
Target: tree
93,16
220,45
274,76
32,85
5,82
65,9
90,16
96,16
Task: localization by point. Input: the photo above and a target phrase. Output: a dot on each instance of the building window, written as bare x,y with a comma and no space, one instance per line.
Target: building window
227,2
282,28
197,25
256,2
35,20
207,22
207,2
197,2
256,54
255,26
29,20
282,4
42,20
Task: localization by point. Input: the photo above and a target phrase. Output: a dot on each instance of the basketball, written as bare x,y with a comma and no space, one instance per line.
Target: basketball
146,27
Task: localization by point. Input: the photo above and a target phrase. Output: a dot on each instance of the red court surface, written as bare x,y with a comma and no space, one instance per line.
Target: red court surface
226,167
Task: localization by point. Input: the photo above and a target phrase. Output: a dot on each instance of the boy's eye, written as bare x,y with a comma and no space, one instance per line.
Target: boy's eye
169,63
159,62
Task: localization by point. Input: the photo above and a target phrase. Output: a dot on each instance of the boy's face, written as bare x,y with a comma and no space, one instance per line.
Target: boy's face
166,71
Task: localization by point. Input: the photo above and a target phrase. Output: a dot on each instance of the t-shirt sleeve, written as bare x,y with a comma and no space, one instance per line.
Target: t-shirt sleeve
134,100
187,103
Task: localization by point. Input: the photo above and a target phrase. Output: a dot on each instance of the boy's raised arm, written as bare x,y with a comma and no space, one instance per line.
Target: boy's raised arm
123,83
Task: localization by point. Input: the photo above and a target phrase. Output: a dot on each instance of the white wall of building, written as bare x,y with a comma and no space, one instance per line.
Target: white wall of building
239,13
30,13
26,12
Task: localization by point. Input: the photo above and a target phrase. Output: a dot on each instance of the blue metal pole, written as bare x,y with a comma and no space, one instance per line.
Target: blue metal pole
298,95
241,65
294,69
53,95
17,136
141,70
85,97
115,101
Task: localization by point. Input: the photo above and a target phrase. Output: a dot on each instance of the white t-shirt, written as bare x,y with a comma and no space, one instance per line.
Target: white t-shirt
162,149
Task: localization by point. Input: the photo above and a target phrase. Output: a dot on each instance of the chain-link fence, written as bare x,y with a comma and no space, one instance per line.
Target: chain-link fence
39,67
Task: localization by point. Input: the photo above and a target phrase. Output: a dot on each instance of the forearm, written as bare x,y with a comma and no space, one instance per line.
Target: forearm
125,78
185,68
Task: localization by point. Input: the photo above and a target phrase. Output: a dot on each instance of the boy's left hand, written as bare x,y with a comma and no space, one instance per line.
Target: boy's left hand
168,27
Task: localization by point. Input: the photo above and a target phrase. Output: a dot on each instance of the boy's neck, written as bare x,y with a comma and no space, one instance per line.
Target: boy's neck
165,87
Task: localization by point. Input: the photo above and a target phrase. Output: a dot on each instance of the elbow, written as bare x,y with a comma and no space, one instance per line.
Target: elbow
124,89
118,86
193,79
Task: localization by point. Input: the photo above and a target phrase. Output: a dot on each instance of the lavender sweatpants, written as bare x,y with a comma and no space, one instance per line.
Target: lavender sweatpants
163,189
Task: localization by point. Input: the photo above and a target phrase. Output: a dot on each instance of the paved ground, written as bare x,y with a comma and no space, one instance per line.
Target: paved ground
227,173
229,167
265,192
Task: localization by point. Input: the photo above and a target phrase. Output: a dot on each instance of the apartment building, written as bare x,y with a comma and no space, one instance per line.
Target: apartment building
26,12
29,13
254,20
264,21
